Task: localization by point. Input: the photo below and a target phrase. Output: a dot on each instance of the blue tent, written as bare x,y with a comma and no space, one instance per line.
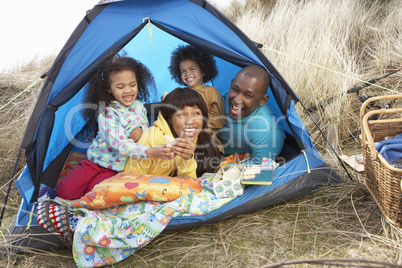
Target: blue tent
149,30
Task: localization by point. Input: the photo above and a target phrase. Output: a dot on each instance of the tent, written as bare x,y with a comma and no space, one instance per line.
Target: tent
149,30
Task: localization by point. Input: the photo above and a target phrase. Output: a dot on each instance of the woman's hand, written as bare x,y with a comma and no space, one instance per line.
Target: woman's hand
183,147
135,134
160,151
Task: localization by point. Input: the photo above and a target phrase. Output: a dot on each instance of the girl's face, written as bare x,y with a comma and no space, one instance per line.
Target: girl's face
187,122
123,87
191,74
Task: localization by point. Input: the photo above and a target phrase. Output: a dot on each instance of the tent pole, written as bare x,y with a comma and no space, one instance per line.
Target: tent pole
9,186
329,144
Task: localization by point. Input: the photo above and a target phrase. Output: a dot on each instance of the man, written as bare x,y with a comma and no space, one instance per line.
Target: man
251,125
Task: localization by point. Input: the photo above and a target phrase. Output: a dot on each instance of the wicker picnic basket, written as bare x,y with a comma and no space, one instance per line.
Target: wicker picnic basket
382,180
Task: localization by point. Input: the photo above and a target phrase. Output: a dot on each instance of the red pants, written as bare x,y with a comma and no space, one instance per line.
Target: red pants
82,179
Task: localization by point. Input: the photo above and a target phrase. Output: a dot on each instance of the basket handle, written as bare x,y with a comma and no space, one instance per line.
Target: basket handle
366,131
363,111
373,99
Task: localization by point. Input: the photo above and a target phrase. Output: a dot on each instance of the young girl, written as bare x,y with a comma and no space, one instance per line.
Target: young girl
192,67
183,115
117,85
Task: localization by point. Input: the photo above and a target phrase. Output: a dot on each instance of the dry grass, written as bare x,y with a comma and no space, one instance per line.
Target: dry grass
335,223
15,115
341,222
323,48
13,119
326,47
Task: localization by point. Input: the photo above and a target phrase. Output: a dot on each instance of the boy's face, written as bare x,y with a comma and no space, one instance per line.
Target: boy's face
191,74
245,95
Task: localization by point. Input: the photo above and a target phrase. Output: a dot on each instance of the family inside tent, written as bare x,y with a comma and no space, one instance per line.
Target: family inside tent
168,137
173,165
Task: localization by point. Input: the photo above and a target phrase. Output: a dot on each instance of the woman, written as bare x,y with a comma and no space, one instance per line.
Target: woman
183,116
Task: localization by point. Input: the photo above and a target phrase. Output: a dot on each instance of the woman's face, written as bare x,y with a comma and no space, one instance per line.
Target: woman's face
187,122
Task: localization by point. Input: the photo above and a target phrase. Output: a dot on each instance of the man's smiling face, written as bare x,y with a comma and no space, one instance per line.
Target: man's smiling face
246,94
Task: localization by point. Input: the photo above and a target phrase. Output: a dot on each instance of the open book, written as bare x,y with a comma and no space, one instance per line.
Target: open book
254,175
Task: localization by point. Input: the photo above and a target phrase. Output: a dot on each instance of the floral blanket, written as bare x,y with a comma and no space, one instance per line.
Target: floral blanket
107,236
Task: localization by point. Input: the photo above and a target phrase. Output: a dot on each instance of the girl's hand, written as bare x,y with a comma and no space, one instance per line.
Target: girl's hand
161,151
135,134
183,147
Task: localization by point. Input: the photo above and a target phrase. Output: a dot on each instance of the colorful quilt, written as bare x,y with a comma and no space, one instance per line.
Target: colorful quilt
109,235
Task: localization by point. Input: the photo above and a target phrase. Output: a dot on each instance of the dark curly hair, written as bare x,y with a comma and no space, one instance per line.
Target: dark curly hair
204,60
206,154
99,83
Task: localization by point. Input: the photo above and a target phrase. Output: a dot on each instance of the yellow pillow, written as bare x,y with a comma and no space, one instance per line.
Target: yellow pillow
127,187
